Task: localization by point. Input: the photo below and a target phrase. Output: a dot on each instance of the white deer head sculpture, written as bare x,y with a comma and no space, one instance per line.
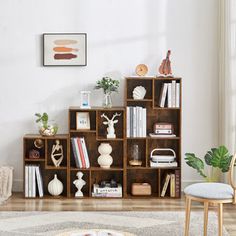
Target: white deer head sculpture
110,123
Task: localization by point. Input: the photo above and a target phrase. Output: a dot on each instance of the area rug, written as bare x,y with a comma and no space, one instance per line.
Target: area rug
103,223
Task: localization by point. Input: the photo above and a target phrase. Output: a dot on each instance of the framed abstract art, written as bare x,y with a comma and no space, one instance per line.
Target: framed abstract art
64,49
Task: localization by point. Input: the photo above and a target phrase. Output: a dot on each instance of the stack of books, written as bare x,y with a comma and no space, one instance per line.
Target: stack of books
173,181
170,95
163,130
107,191
80,152
33,175
136,122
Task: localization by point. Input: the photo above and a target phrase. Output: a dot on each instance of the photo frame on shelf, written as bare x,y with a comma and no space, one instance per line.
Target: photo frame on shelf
82,120
85,99
64,49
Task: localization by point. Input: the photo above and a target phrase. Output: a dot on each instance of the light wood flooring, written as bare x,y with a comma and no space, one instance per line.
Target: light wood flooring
18,203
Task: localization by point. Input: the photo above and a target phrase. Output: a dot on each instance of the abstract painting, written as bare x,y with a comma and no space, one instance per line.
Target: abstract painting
65,49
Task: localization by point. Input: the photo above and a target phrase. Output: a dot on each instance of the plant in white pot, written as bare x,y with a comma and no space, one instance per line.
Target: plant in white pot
217,161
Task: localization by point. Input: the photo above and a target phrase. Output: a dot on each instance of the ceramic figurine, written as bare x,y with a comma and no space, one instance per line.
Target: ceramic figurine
105,159
139,92
110,123
57,153
165,67
55,186
79,183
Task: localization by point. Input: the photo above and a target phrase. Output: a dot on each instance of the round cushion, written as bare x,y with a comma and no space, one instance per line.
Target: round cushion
210,190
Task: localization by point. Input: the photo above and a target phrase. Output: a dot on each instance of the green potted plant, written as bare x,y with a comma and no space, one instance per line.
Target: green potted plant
108,85
46,127
216,160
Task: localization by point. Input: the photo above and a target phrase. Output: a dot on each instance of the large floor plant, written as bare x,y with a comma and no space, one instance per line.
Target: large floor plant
216,160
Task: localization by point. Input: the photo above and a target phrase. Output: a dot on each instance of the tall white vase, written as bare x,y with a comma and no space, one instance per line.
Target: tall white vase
105,159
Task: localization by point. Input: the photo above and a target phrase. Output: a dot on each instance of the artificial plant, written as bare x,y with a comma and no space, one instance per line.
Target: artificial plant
42,118
107,84
215,159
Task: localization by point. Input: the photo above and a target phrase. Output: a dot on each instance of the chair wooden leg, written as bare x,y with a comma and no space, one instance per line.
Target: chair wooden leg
187,216
220,219
206,204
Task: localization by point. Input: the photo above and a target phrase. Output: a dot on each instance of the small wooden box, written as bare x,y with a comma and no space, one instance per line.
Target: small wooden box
141,189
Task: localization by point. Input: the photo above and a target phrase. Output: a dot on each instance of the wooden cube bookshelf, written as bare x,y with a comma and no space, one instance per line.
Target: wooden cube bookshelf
120,170
46,166
154,176
93,138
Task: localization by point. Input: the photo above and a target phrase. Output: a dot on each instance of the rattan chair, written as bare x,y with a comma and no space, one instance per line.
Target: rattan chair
211,193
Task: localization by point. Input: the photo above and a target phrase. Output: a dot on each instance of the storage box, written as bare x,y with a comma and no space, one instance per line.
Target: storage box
141,189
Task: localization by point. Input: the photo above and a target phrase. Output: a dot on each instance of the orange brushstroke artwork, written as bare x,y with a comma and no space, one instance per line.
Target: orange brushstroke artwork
65,49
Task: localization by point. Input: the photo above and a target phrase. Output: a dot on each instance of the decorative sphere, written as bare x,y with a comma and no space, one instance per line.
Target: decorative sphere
105,149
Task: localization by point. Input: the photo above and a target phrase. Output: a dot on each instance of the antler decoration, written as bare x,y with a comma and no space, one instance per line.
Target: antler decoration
110,123
104,116
116,114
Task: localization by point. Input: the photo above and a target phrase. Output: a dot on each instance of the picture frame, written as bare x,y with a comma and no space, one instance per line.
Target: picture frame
85,99
64,49
82,120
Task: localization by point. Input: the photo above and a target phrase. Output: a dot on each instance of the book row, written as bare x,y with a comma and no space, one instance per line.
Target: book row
80,152
170,95
171,180
136,122
33,181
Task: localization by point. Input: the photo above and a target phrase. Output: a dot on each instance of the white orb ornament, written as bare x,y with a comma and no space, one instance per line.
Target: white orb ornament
55,186
105,159
139,92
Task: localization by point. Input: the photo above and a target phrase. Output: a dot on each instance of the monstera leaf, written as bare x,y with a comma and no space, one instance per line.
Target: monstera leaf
219,157
195,163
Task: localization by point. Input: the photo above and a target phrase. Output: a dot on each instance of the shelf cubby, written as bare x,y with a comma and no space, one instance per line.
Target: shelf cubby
141,142
143,175
50,143
134,82
86,187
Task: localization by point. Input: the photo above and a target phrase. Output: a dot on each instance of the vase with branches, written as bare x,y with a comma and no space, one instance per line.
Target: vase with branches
108,85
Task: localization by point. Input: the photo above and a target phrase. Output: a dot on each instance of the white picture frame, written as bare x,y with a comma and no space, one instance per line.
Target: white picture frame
64,49
85,99
82,120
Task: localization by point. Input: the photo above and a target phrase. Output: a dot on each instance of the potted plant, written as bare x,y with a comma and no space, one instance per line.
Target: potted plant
216,160
46,127
108,85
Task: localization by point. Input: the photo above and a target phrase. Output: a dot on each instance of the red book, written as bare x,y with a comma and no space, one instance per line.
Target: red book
81,153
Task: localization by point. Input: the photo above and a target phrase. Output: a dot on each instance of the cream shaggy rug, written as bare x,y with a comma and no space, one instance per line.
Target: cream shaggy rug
103,223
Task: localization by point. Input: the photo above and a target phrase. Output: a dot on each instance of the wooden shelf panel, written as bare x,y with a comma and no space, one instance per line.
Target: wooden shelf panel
150,138
82,131
34,160
97,169
138,100
151,168
56,168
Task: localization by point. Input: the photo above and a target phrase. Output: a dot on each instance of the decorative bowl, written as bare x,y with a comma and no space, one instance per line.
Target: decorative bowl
49,130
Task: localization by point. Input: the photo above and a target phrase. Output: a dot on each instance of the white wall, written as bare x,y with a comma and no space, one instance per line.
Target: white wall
121,34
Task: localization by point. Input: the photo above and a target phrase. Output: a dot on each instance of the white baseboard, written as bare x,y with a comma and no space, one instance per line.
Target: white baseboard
18,184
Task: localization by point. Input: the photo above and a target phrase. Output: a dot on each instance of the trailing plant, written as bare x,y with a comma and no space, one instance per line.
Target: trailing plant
216,158
42,118
107,84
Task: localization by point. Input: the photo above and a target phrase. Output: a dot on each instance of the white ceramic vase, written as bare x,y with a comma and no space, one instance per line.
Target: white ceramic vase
105,159
55,186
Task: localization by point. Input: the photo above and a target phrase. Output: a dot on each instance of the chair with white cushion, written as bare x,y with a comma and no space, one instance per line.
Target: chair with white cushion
211,193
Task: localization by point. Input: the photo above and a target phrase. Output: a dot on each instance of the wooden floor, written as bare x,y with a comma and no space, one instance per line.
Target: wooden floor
18,203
